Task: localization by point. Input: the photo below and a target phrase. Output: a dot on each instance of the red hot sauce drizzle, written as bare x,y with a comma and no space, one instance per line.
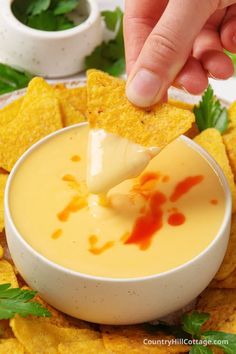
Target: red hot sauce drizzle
151,220
185,186
149,223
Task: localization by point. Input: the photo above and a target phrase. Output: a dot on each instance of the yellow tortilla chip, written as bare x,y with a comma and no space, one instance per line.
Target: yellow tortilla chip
40,336
108,108
220,304
213,298
180,104
130,339
211,140
230,144
70,113
222,319
227,283
232,115
11,346
229,263
86,347
7,274
10,112
3,181
39,116
78,98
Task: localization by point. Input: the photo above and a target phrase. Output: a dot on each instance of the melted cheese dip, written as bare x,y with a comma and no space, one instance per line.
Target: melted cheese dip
144,226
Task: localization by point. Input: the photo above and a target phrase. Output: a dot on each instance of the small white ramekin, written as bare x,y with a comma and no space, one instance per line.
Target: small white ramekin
48,54
111,300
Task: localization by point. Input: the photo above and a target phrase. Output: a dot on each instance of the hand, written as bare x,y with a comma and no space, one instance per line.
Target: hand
176,42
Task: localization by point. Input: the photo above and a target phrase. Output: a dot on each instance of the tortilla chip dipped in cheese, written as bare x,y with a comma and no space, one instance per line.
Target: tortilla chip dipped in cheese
124,138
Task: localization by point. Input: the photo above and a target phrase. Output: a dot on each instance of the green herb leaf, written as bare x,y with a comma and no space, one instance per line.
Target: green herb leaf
46,21
200,349
192,323
12,79
110,56
16,301
65,6
225,341
112,18
210,114
36,7
232,56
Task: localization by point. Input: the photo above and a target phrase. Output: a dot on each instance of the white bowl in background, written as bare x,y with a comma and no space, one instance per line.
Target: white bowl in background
49,54
111,300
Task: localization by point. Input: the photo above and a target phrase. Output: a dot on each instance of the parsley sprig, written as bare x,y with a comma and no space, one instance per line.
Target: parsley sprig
210,113
12,79
110,56
192,324
191,331
45,15
17,301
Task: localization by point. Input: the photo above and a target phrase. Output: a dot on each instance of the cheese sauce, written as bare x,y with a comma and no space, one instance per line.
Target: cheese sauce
144,226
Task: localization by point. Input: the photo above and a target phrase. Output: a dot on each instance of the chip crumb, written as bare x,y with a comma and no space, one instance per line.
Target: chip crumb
211,140
109,109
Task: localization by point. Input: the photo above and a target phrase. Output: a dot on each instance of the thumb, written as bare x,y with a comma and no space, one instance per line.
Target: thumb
167,49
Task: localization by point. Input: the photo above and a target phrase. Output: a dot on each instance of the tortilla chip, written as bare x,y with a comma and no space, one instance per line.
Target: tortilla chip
10,112
39,116
227,283
180,104
230,143
11,346
130,339
7,274
213,298
40,336
78,98
211,140
229,263
3,181
232,115
222,319
71,114
86,347
109,109
221,305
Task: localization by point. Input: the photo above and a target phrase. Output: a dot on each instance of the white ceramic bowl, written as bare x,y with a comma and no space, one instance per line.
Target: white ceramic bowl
49,54
117,301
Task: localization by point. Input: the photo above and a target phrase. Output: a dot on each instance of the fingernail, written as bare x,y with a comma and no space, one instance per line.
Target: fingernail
143,89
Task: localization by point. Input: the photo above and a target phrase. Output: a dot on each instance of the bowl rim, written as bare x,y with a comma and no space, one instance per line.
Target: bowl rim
93,15
225,221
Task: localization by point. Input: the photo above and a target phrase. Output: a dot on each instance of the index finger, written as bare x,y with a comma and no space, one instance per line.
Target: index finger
139,19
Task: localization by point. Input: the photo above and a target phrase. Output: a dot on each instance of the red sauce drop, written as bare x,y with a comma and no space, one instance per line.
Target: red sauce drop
184,187
165,179
214,201
176,219
149,223
149,176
